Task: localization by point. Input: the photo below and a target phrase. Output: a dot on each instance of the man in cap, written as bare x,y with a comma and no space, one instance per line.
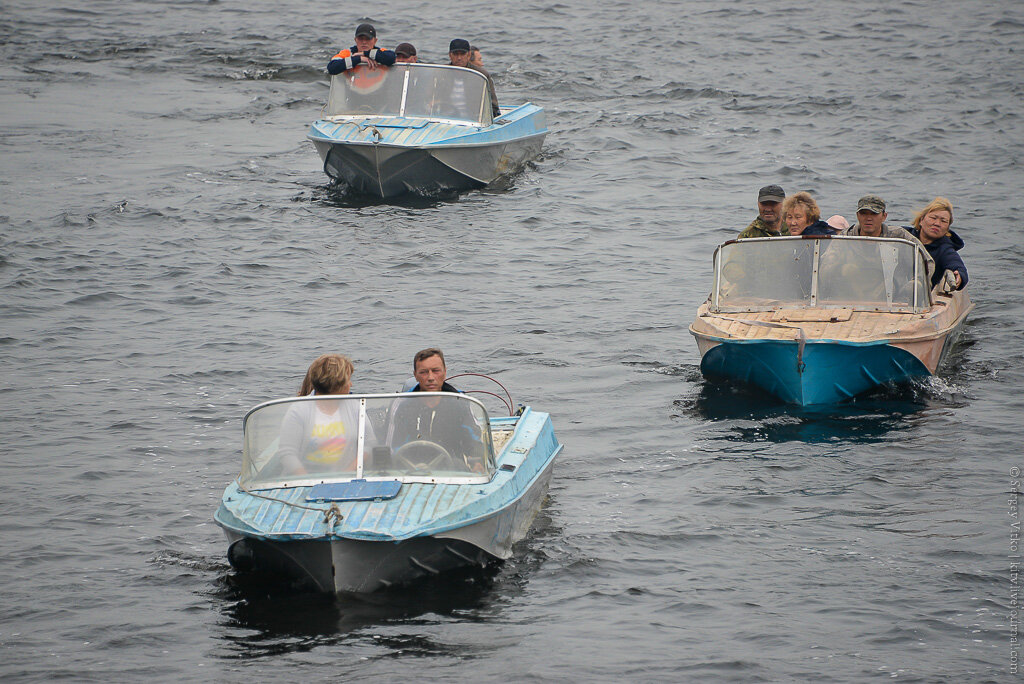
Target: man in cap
871,217
363,52
405,53
858,268
459,55
769,214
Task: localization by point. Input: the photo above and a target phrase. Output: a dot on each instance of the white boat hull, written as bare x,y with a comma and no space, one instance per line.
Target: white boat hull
343,565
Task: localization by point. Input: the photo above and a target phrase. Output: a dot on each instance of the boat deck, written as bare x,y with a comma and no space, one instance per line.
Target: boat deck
846,324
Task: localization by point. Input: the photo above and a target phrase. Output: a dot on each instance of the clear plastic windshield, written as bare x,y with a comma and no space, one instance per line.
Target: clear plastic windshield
411,90
370,92
414,437
877,274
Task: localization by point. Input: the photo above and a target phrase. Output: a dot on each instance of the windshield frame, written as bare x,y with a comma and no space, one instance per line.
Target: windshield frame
483,117
248,478
921,298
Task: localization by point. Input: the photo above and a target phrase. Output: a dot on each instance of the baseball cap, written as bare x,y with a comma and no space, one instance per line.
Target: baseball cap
872,203
406,50
459,45
771,193
366,30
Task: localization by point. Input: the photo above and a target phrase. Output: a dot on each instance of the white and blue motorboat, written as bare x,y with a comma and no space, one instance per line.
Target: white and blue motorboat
821,319
410,485
421,128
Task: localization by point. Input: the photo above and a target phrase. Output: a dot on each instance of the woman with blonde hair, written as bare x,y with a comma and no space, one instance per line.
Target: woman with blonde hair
932,228
329,374
802,215
320,436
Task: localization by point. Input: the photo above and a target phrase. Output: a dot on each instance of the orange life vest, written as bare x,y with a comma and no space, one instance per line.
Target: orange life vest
363,79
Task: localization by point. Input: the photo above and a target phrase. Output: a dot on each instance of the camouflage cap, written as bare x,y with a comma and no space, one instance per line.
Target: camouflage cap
872,203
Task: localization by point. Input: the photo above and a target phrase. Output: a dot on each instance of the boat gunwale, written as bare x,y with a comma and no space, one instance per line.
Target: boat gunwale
499,122
890,337
450,138
440,145
341,119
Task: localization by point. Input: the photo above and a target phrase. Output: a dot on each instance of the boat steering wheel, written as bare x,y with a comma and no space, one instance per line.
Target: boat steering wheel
436,455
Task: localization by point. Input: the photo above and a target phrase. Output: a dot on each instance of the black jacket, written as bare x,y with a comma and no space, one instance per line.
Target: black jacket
819,227
944,252
449,423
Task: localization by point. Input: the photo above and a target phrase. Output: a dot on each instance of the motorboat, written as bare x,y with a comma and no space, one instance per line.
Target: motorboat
821,319
356,493
421,128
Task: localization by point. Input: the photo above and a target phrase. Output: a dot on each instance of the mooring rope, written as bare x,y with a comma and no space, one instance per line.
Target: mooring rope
333,511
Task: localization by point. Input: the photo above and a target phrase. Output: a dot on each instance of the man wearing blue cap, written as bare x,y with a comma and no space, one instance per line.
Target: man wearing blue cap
458,55
363,52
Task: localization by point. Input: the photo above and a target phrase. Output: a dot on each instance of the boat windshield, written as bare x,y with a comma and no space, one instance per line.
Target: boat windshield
413,437
874,274
428,91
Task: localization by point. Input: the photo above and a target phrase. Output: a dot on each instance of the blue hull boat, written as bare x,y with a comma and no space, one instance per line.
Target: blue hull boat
819,320
825,372
393,504
421,128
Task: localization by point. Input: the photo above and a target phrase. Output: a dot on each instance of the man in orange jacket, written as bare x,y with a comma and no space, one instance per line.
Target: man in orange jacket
363,52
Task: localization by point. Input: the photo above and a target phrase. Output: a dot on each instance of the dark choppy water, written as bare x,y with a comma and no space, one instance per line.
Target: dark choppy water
171,254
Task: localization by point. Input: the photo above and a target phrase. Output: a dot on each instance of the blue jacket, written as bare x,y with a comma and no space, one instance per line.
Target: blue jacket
819,227
944,251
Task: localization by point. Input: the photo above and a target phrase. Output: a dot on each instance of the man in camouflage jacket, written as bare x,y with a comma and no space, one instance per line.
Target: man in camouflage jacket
769,214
